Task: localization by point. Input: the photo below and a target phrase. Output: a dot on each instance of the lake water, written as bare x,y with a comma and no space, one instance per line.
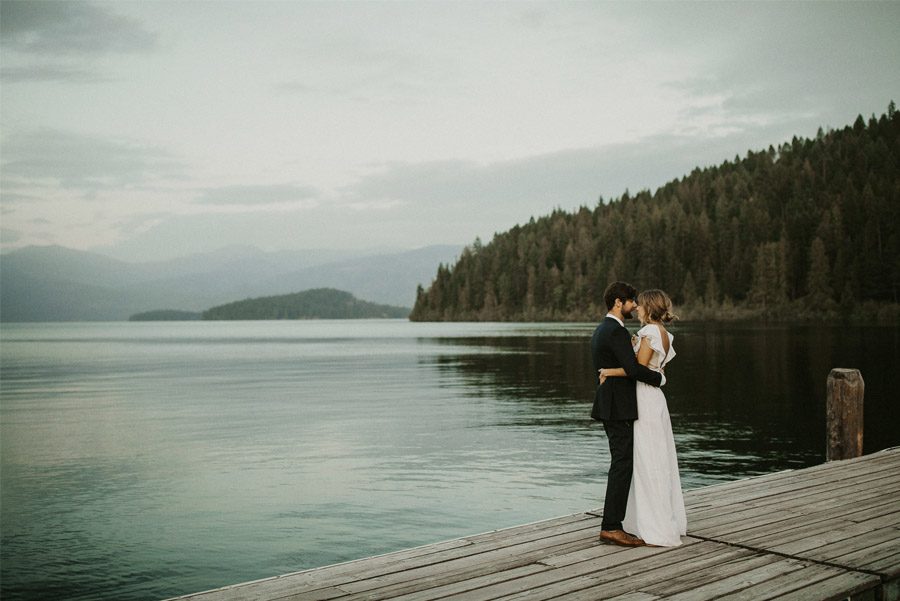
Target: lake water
146,460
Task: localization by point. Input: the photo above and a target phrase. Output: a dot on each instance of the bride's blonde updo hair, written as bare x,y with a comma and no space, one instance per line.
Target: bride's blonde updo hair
657,305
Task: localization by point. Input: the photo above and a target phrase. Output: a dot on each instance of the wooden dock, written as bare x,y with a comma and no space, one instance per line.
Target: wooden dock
827,532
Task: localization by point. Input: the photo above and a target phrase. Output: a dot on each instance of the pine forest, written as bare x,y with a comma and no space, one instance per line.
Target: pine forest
806,230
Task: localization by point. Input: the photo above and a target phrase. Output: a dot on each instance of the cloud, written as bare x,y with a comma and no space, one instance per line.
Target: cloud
8,236
435,202
82,162
540,183
68,27
256,195
52,73
179,235
784,61
295,87
132,225
10,197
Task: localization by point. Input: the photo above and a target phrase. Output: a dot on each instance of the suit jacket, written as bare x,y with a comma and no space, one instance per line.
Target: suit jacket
616,398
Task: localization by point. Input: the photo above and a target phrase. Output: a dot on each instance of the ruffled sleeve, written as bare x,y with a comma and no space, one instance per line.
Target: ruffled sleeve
651,333
654,339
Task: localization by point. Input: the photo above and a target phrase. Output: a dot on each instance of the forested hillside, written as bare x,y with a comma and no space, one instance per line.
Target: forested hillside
319,303
165,315
809,228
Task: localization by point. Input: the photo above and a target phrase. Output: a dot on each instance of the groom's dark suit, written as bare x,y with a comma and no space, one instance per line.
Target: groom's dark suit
615,404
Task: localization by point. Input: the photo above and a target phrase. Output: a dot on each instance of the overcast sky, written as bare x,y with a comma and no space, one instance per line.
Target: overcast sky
153,129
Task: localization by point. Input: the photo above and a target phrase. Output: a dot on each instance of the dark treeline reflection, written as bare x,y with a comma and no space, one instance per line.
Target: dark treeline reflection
745,399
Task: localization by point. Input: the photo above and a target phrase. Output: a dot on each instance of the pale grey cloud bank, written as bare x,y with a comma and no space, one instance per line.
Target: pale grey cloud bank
82,163
58,28
251,195
161,128
52,73
62,42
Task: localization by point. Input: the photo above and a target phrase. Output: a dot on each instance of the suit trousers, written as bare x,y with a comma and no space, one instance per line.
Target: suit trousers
620,434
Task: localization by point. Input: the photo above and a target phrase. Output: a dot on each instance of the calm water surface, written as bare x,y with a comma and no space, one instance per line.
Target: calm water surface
146,460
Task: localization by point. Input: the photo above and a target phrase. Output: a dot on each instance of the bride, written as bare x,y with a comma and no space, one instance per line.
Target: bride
655,510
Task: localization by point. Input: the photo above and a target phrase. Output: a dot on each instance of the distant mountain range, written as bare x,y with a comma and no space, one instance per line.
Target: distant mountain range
52,283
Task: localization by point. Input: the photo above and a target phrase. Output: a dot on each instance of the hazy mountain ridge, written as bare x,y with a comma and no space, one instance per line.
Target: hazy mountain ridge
54,283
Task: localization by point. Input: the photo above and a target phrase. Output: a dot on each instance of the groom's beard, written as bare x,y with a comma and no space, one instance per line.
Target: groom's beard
626,315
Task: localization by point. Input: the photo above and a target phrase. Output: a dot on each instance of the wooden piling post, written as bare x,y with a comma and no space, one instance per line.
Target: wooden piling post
844,414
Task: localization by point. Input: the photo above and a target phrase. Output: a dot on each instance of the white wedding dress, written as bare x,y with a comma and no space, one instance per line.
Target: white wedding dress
655,510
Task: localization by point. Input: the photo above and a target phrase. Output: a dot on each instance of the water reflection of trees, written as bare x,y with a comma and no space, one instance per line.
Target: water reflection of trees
744,399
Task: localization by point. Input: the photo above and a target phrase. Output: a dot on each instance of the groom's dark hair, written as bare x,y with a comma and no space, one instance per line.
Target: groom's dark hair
619,290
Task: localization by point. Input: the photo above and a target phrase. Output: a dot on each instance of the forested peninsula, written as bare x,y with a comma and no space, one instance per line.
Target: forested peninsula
318,303
165,315
805,230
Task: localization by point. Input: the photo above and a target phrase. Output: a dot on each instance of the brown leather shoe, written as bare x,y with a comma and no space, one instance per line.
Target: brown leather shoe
621,538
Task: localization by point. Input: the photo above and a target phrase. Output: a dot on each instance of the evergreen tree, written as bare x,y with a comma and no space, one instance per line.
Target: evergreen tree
769,288
711,295
689,290
817,283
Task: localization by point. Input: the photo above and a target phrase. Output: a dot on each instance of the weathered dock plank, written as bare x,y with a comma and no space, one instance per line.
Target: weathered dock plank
827,532
857,507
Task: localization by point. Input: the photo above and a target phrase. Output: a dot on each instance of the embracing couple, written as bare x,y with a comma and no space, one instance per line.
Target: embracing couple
644,504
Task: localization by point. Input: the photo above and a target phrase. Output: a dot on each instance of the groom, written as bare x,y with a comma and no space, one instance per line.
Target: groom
615,404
